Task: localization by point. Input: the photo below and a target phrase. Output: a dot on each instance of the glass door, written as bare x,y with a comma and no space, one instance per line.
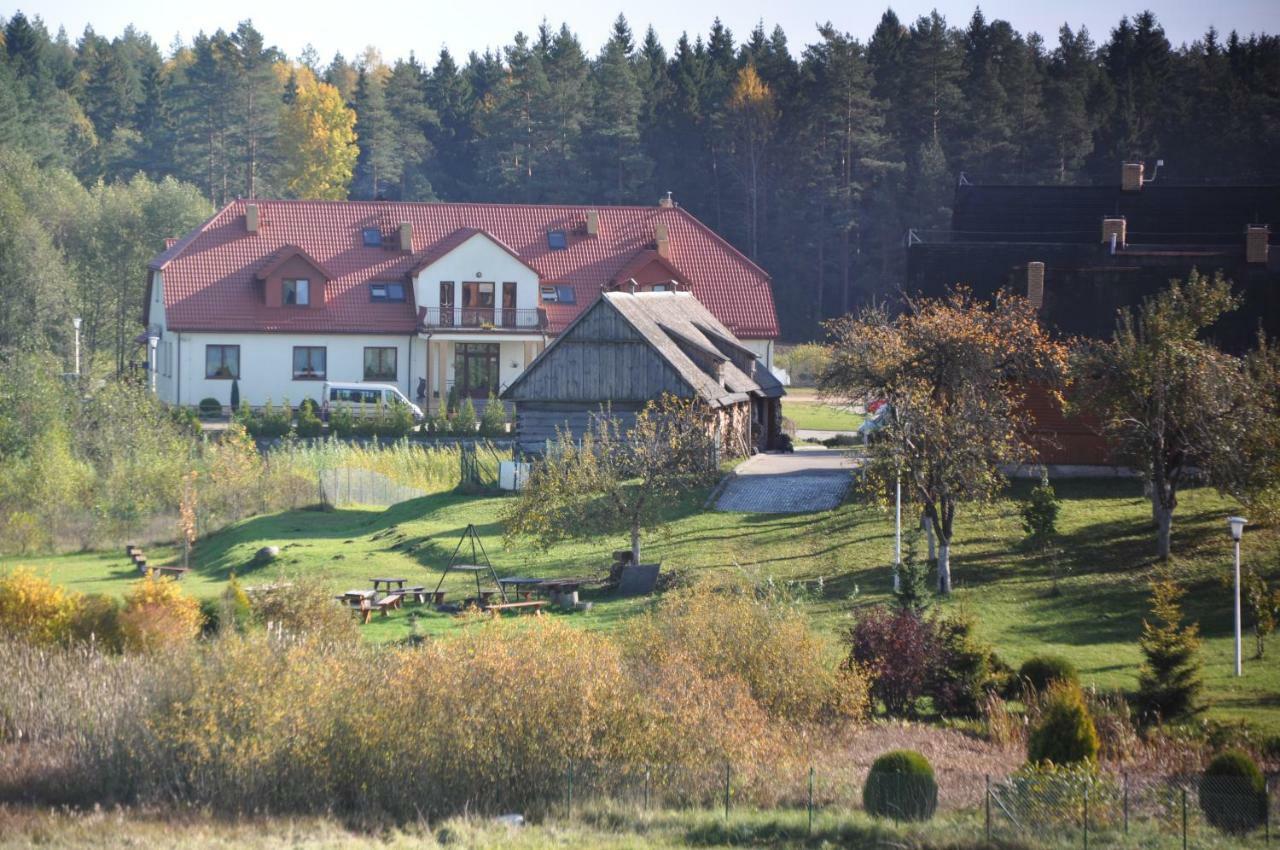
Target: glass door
477,304
446,304
475,368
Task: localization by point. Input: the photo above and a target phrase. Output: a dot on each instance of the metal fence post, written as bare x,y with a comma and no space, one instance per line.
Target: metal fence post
1266,810
810,800
1086,818
987,805
1184,817
646,787
569,801
1125,780
726,791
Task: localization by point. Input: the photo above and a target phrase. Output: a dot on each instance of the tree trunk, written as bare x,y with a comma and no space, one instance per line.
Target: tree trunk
944,567
927,524
635,544
1164,529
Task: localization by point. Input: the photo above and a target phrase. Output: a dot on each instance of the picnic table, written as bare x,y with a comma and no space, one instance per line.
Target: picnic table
357,595
398,582
523,586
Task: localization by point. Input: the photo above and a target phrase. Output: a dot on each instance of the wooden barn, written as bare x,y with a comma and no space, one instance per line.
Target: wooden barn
631,347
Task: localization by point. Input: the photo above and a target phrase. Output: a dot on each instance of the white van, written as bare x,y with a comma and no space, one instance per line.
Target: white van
364,397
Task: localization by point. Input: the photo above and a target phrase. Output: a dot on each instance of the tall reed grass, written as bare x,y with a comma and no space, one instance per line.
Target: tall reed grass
489,718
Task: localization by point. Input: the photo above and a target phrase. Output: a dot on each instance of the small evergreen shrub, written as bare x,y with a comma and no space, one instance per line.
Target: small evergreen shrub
493,422
309,404
309,424
901,786
210,407
962,673
272,422
1042,671
1065,733
342,423
1233,793
1169,681
464,422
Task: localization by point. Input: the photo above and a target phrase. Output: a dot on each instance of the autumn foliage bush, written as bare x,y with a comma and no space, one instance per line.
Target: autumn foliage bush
487,718
158,615
32,608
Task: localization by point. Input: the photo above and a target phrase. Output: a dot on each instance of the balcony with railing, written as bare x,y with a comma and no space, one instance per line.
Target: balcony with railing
497,319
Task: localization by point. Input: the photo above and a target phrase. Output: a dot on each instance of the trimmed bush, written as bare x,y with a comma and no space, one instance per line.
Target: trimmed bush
901,786
1042,671
1065,733
464,422
1233,793
210,407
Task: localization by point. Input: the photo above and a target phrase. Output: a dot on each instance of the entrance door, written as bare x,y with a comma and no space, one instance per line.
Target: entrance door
477,304
475,368
509,304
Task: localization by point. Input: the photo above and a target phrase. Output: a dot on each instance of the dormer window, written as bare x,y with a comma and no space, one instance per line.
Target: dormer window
388,291
295,292
557,240
557,294
372,237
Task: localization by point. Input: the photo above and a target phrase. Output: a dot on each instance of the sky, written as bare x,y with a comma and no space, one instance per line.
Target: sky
397,27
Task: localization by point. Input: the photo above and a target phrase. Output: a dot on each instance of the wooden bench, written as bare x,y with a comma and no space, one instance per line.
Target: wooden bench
417,594
386,603
171,570
531,607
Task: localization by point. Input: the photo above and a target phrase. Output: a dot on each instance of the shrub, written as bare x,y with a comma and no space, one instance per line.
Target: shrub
342,421
962,669
96,621
236,610
309,424
727,633
493,422
309,404
896,649
1040,514
1065,733
1233,793
302,605
272,422
1055,797
210,407
464,422
157,615
900,785
1169,682
34,609
1041,671
186,419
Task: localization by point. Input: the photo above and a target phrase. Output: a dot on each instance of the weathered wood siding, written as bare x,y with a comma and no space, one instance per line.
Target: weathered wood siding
599,359
537,423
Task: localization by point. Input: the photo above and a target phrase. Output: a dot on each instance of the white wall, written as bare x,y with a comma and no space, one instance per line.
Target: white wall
266,365
763,349
477,259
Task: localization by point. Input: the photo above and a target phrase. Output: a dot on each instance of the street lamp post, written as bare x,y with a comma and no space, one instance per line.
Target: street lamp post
897,532
76,324
1237,524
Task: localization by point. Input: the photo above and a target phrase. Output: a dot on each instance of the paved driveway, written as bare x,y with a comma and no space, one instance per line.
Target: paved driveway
807,480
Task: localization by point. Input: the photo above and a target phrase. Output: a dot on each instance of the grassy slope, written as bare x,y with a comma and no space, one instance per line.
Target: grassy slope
802,406
1095,621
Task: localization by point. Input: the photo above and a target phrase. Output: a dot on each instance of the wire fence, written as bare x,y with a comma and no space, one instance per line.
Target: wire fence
1086,809
354,486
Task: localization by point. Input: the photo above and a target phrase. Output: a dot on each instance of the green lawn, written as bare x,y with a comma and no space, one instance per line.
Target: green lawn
812,415
843,556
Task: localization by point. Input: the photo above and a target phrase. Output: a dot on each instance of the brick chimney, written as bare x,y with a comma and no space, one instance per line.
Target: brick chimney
1131,177
667,201
1257,243
593,222
251,218
406,236
662,240
1035,283
1114,226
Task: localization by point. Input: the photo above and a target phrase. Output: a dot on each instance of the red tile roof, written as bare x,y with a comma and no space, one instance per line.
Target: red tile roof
209,274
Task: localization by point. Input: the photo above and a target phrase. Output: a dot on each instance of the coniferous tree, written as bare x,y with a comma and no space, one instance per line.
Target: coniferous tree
615,155
377,165
1169,682
410,118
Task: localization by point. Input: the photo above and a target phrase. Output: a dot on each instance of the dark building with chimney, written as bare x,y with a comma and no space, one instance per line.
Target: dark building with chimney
1082,253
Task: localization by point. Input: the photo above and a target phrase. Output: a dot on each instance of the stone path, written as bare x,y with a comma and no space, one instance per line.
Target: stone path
805,481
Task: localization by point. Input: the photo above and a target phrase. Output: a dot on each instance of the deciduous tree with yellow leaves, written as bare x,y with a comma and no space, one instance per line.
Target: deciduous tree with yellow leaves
318,139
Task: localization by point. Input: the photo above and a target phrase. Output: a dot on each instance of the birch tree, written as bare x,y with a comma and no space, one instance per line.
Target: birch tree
954,373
